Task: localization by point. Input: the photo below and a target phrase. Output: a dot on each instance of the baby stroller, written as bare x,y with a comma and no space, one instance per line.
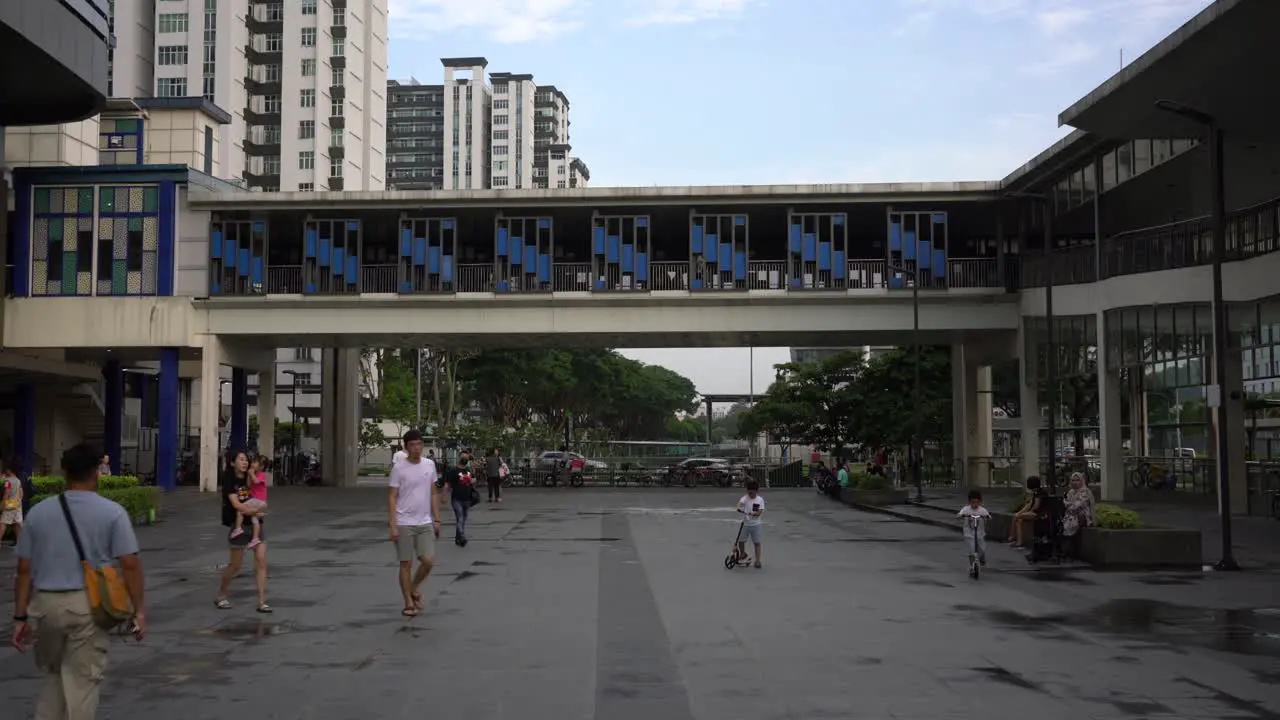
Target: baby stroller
1047,543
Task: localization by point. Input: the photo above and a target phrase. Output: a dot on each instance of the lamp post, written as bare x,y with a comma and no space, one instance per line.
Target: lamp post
1216,399
293,417
915,451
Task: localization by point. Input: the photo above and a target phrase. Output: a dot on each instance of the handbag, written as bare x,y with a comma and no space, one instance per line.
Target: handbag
13,496
109,602
475,496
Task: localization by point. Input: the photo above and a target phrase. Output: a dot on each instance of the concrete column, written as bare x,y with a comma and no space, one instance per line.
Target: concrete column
971,417
113,412
239,409
24,428
167,420
267,416
210,409
1110,431
1028,402
347,387
1232,413
962,410
329,460
980,445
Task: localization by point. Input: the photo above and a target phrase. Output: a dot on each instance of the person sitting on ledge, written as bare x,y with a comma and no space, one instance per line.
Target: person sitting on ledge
1028,512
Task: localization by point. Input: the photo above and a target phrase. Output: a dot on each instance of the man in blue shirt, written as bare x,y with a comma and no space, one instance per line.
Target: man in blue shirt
69,647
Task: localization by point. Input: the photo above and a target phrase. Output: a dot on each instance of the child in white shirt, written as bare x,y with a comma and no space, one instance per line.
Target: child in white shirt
975,526
752,506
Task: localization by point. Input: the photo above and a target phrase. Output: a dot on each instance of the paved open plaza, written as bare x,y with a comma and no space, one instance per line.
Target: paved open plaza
614,604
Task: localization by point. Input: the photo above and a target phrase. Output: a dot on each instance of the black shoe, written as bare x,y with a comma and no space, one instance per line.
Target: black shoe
982,561
457,540
462,542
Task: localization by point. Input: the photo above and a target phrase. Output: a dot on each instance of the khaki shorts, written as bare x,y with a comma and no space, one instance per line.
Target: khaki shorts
416,541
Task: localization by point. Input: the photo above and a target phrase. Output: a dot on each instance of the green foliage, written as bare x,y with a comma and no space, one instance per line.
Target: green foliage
871,482
371,438
397,391
287,435
254,430
1112,517
54,484
889,402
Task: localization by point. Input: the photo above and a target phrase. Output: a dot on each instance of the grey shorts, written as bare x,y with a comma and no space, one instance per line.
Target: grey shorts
416,541
753,533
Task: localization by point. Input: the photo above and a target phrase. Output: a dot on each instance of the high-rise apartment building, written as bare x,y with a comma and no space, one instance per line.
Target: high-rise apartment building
503,132
304,81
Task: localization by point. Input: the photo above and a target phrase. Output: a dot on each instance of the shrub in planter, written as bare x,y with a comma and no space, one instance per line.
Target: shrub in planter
54,484
1111,517
142,503
870,482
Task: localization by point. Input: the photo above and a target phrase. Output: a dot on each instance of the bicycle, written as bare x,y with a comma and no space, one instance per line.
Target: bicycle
1152,476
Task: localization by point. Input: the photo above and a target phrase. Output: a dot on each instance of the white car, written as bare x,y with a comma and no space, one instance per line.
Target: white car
551,457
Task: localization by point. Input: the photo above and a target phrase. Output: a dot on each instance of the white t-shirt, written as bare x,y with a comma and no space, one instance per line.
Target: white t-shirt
397,457
981,514
746,505
415,482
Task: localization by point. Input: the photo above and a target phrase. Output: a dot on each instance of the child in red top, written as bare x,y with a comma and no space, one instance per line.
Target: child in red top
254,499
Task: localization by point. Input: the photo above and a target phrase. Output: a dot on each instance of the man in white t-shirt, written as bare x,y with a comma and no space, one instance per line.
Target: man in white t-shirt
752,507
412,507
397,456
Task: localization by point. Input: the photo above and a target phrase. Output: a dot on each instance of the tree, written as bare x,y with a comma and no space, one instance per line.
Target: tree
287,435
819,404
890,404
371,438
397,394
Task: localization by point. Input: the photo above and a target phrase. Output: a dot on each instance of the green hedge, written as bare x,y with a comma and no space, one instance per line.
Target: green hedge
870,482
54,484
141,502
1111,517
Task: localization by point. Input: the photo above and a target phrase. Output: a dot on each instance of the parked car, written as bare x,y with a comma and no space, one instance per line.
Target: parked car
550,458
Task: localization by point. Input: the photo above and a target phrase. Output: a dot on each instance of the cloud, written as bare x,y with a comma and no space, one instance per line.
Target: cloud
1063,57
506,21
678,12
1058,20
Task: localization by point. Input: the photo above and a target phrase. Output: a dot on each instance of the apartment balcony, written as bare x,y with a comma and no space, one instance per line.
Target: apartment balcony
263,27
263,57
258,87
263,149
262,181
253,117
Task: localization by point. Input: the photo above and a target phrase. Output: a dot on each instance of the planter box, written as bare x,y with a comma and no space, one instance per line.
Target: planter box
874,498
1141,548
1000,523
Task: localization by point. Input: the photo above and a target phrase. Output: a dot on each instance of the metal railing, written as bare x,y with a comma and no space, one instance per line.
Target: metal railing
581,277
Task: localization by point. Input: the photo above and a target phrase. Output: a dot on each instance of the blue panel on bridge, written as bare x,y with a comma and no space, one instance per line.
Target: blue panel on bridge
515,250
797,235
419,251
503,286
406,242
940,218
501,250
446,269
837,219
530,259
597,239
433,260
215,287
255,275
353,225
322,257
406,286
544,268
259,227
909,245
612,249
926,254
712,246
739,220
229,252
896,282
838,265
940,263
628,257
695,240
642,267
309,249
353,269
824,256
895,236
809,247
339,261
642,221
242,262
740,265
696,284
447,225
544,223
215,245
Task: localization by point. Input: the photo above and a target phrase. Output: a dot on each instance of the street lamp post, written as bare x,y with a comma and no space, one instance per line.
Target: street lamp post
1216,394
915,451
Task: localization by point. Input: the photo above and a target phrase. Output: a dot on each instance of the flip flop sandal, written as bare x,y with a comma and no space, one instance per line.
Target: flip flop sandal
265,609
409,612
222,604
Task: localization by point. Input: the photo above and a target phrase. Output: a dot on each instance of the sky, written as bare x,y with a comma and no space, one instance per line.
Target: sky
712,92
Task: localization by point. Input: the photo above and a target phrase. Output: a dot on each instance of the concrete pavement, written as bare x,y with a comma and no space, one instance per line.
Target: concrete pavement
613,605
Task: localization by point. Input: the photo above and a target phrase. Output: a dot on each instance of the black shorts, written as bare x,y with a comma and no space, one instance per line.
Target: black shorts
240,541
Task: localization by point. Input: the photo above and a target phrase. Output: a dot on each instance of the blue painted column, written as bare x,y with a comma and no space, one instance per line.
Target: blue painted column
24,428
21,238
239,408
167,243
113,412
167,420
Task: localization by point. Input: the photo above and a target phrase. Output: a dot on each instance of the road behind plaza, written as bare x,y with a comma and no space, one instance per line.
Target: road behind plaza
614,605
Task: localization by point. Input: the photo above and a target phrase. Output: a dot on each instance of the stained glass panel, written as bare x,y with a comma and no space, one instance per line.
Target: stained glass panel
149,272
119,272
85,205
104,287
84,283
122,199
42,200
151,199
70,201
133,283
104,228
55,287
135,199
40,239
39,277
132,231
55,200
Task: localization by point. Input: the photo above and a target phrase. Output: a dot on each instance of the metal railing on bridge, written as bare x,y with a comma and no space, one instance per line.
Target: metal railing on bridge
662,276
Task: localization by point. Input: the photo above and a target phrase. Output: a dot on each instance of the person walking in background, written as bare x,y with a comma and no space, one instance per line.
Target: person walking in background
493,475
235,487
13,504
104,467
461,484
51,605
413,511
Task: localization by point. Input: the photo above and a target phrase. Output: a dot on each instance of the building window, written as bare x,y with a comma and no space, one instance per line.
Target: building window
499,165
271,104
500,104
64,240
337,77
500,119
335,167
308,37
500,134
171,87
339,17
172,22
339,47
302,378
306,187
306,129
335,137
308,7
500,89
335,108
272,43
307,98
274,12
271,73
499,149
499,181
308,67
307,160
173,54
560,184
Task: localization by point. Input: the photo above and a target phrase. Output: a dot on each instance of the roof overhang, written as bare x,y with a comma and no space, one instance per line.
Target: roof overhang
1217,63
